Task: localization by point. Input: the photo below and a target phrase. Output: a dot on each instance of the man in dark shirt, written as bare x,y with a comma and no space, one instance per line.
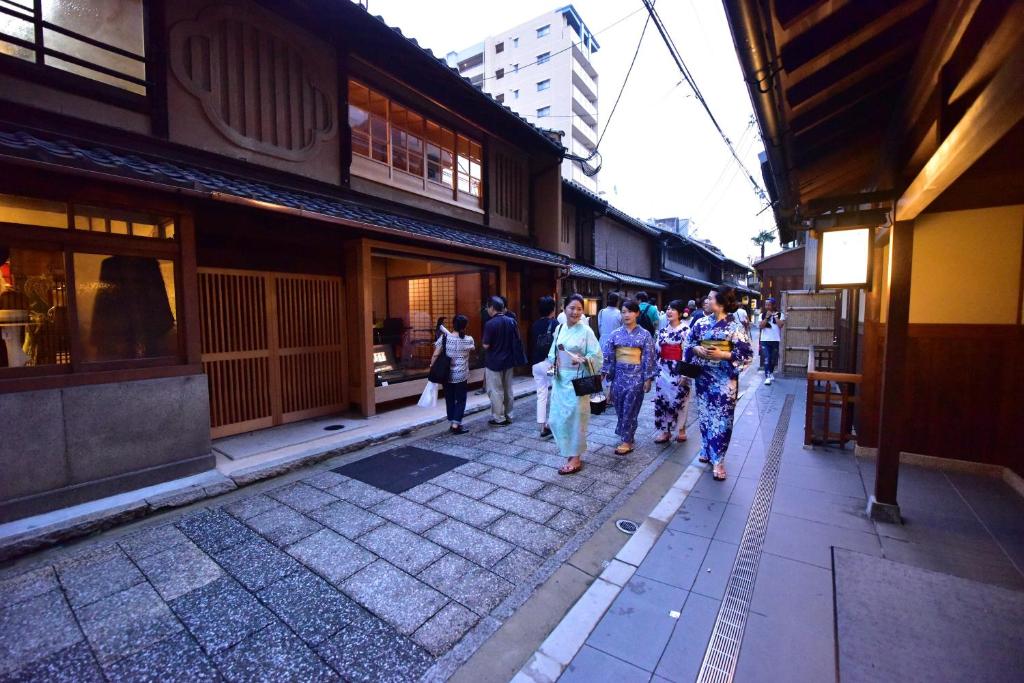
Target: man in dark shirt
501,336
541,337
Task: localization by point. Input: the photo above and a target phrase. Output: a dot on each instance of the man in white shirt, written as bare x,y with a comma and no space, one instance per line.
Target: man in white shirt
743,318
772,322
609,318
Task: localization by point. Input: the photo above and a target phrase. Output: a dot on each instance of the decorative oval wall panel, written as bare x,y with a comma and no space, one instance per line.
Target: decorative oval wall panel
255,84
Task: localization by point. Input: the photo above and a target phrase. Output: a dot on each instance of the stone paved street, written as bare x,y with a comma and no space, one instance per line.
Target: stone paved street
318,576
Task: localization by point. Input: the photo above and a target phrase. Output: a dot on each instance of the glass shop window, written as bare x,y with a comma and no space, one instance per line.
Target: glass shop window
469,167
410,297
102,40
35,212
126,307
116,222
440,154
33,308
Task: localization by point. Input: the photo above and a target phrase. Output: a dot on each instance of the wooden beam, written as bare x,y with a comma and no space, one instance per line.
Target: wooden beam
994,52
998,108
823,204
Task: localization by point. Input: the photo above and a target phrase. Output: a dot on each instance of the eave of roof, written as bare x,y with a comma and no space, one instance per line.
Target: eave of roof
639,281
167,175
777,254
584,270
635,223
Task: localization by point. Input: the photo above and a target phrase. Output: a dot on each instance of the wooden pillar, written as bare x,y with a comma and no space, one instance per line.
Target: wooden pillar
359,332
882,506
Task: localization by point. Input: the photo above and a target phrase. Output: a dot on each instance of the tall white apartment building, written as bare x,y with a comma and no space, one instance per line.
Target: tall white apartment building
542,70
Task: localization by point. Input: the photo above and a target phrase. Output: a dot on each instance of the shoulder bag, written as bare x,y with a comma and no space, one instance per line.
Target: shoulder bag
441,370
584,384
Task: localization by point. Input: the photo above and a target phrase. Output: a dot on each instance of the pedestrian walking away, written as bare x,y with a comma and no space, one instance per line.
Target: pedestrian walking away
719,343
457,346
771,335
649,318
542,334
502,343
609,318
574,345
629,364
672,387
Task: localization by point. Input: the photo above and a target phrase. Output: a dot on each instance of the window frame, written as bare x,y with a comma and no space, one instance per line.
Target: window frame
543,112
544,85
38,71
499,47
543,58
543,30
70,241
499,73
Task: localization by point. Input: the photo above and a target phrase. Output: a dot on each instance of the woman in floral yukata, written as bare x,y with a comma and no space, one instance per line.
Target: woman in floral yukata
574,344
672,387
629,363
720,344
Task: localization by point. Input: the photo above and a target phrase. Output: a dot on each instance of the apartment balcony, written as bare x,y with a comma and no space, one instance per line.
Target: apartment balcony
583,59
583,107
583,81
584,135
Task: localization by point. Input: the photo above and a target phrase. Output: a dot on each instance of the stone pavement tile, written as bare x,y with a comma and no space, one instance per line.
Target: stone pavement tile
743,493
614,477
936,528
302,497
505,462
472,469
512,481
459,450
524,506
256,564
97,575
818,506
347,519
675,558
823,479
177,659
71,665
709,489
35,628
594,666
283,526
467,486
394,596
412,516
730,527
473,586
567,522
273,654
445,628
465,509
402,548
373,652
547,457
779,648
331,555
821,458
794,591
214,530
179,569
969,564
534,537
148,542
715,570
221,614
248,508
473,544
27,585
602,491
698,516
573,502
313,608
550,475
363,495
424,493
517,566
807,541
325,479
638,625
126,622
684,653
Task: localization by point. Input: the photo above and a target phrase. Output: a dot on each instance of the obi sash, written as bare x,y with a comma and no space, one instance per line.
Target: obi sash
628,355
671,352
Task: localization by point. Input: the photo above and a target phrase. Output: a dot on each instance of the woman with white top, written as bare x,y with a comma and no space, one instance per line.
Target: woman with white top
457,346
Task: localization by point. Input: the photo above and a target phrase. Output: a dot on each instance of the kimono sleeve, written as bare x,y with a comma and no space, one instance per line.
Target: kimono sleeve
608,353
692,341
649,359
593,350
742,351
554,344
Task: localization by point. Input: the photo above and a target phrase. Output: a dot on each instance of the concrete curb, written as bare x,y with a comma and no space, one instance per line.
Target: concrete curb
41,531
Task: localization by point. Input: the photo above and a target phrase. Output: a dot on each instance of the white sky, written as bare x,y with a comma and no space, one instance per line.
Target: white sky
662,156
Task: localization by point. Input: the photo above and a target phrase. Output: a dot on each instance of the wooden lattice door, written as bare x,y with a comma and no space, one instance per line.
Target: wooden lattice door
272,347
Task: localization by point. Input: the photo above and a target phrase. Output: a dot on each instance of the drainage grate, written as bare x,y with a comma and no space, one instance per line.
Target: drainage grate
626,526
719,665
333,428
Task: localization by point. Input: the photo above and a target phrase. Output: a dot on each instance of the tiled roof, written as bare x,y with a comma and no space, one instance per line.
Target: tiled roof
638,281
181,176
635,222
590,272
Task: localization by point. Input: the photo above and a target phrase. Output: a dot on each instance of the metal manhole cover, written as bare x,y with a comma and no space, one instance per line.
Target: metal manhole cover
626,526
399,469
333,428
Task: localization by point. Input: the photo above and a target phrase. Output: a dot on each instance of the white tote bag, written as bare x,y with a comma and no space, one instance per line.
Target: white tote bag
428,399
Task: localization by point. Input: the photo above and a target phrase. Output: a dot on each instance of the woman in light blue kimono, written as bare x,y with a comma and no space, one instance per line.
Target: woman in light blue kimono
569,414
720,344
629,362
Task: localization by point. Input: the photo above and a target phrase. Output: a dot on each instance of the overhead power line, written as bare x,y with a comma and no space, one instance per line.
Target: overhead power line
652,13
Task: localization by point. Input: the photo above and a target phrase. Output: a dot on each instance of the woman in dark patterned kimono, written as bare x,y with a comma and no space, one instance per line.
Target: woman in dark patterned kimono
672,387
629,364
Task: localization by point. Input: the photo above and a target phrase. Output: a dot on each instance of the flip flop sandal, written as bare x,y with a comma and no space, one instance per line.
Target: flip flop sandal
716,477
566,469
661,440
704,460
619,451
681,439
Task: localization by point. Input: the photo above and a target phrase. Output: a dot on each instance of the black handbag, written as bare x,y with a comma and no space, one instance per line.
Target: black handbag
691,370
584,384
441,370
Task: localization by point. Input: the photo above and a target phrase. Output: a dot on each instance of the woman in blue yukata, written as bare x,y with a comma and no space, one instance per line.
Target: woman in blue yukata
574,344
629,363
672,387
720,344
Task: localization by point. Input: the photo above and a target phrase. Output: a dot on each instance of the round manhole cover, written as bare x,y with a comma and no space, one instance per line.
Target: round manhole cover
627,526
333,428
